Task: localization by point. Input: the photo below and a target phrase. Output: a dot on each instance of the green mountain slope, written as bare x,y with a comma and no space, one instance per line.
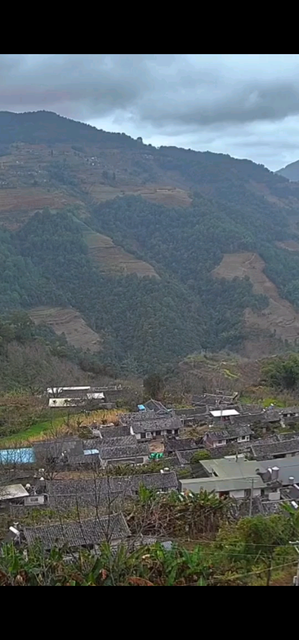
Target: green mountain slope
163,251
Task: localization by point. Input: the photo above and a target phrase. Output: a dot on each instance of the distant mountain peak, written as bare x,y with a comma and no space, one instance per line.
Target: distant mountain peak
291,171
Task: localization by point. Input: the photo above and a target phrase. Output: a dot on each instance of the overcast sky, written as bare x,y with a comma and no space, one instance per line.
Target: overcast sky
246,105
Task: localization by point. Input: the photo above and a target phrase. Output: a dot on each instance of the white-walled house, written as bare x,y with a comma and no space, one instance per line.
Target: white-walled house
148,425
215,439
239,478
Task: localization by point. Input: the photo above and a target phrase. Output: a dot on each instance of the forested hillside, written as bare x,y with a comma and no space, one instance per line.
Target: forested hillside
146,243
34,357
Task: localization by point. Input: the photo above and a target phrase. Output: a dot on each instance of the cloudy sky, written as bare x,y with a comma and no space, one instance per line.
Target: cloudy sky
246,105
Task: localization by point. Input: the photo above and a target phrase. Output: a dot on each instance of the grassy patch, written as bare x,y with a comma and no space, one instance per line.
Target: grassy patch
63,423
277,403
32,433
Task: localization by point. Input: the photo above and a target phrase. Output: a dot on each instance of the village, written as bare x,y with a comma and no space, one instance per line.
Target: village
86,480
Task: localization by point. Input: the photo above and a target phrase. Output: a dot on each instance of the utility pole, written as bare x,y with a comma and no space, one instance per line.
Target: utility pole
251,498
296,577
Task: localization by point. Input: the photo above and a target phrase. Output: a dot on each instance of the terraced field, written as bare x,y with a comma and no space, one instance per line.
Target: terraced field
69,322
17,205
280,317
168,196
114,259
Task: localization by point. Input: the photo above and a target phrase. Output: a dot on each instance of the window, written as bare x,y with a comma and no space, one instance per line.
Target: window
158,433
148,435
142,436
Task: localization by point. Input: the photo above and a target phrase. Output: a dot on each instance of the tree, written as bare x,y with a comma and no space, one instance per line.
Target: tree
200,455
283,373
253,544
153,386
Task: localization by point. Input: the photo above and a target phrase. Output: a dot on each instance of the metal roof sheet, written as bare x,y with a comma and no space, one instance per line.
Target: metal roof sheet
224,413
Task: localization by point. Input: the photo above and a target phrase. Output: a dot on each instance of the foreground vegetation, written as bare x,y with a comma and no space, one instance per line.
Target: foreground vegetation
252,551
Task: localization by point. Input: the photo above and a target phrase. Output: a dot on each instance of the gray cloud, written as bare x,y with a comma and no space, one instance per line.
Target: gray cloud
246,105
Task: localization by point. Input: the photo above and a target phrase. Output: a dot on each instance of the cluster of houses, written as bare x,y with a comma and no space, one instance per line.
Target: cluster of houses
96,397
225,457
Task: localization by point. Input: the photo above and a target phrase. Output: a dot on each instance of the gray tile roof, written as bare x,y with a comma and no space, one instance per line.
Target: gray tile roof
180,444
292,435
118,453
191,413
287,410
78,534
246,419
226,450
271,415
261,451
80,460
155,405
54,448
229,434
99,443
118,431
185,457
163,423
91,491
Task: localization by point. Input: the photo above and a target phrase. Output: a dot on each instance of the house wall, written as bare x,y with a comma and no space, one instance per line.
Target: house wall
244,439
149,435
31,501
193,486
63,402
237,494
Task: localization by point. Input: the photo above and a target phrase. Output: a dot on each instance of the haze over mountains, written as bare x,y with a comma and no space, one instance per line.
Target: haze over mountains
159,252
291,171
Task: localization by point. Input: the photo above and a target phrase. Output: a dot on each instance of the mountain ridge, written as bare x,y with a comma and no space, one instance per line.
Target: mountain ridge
290,171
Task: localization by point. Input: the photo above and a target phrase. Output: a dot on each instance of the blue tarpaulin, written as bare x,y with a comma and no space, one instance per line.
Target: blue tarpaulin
17,456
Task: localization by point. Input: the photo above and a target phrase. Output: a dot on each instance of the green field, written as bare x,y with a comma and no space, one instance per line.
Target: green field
37,430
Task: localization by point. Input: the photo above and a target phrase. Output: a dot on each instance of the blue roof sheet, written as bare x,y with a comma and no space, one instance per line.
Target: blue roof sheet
17,456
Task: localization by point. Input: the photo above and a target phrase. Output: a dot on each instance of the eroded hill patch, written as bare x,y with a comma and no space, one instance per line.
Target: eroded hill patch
113,259
280,317
69,322
290,245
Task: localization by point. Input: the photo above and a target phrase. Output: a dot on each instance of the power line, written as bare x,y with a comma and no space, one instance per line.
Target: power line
251,573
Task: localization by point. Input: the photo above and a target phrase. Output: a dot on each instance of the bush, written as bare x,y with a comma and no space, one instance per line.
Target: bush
200,455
